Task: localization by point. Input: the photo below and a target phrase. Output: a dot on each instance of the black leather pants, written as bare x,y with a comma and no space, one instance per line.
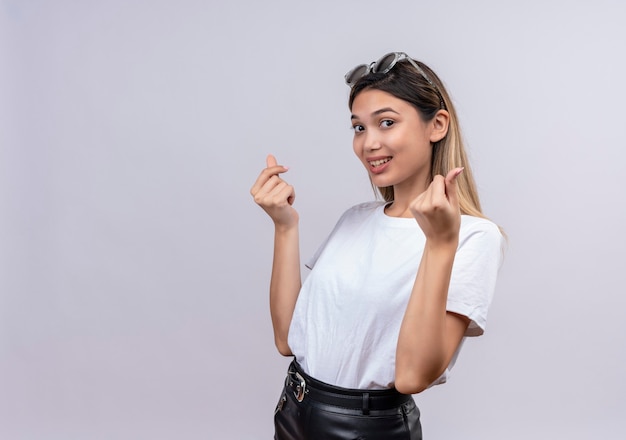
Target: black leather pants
312,410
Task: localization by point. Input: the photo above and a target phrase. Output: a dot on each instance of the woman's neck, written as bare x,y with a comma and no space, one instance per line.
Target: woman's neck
403,195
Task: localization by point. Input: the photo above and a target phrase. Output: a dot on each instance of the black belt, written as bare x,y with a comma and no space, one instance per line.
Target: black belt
306,387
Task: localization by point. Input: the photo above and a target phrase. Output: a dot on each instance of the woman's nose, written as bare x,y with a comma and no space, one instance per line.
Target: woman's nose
372,141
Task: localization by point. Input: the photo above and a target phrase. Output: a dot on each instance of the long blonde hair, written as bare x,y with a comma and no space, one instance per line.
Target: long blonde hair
405,82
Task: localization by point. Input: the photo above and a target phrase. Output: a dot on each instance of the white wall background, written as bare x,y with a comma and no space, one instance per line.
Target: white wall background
134,265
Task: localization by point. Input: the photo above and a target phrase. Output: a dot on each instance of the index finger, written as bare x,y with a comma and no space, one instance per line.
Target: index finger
453,174
267,174
271,161
272,165
451,184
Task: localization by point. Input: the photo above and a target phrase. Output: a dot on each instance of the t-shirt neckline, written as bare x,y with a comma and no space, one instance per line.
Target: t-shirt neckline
404,222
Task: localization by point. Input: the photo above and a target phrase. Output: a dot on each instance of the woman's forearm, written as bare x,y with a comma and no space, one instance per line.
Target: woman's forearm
429,335
285,283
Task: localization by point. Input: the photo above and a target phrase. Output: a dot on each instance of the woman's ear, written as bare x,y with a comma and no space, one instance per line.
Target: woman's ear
440,124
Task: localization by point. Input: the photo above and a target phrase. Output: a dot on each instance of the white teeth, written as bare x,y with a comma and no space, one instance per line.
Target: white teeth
377,163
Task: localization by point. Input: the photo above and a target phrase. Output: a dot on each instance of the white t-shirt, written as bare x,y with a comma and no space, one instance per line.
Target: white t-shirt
347,318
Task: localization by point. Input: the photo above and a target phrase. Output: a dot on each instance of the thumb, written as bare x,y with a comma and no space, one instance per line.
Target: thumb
451,183
270,161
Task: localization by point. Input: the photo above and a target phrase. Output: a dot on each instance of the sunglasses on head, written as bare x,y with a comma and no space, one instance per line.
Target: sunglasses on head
384,65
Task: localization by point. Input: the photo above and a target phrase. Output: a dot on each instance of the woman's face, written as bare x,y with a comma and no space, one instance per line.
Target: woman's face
392,141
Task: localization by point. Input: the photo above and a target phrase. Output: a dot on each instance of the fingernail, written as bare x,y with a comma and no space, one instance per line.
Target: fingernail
286,168
459,171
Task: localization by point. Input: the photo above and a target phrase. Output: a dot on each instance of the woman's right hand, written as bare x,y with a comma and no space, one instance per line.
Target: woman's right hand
274,195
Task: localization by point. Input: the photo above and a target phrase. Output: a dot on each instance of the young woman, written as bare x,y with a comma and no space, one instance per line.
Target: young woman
399,283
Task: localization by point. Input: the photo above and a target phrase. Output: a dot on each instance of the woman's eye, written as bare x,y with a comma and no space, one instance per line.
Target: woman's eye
386,123
358,128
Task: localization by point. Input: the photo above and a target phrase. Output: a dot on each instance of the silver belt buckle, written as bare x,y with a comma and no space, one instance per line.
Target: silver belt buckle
300,387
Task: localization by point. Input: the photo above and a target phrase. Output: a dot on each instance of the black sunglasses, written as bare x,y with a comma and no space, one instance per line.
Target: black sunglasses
384,65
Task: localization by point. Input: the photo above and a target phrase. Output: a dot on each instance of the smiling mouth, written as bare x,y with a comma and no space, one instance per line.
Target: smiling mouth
379,162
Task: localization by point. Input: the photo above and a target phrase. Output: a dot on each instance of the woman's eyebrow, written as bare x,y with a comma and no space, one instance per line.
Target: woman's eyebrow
384,110
378,112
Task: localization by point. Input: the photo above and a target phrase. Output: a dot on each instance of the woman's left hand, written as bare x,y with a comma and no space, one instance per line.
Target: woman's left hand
437,210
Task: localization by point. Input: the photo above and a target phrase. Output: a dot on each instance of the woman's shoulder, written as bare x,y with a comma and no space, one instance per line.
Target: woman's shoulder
360,211
480,229
481,223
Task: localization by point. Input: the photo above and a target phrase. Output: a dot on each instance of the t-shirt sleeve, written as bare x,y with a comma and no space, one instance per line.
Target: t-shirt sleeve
310,263
346,219
473,281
